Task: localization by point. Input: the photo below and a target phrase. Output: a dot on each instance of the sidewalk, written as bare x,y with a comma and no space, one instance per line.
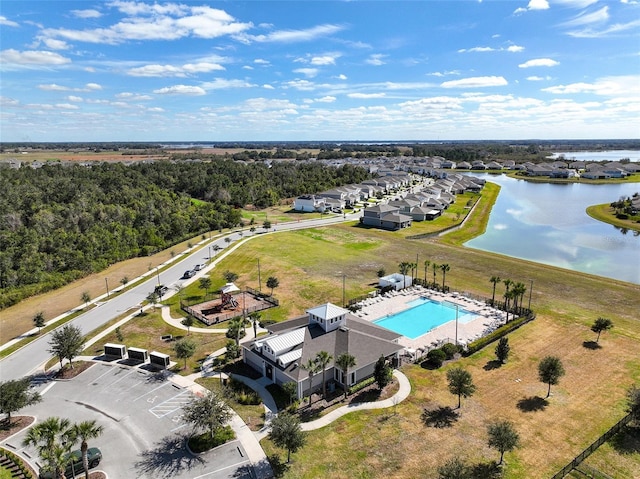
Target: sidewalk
401,395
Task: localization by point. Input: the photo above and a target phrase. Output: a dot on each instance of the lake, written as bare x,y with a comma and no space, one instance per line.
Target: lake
608,155
547,223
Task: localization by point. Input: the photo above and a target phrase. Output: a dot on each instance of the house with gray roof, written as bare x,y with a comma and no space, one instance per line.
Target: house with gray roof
385,216
290,344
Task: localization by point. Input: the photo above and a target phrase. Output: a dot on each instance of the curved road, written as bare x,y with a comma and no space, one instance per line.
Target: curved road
30,358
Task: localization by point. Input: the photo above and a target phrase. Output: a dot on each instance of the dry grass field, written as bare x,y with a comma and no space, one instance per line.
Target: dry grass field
311,266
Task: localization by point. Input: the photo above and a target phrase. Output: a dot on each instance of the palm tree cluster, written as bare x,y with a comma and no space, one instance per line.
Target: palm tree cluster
513,295
55,437
316,365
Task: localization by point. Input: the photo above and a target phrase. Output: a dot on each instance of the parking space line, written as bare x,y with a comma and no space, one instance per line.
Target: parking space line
170,405
222,469
108,371
120,379
47,388
149,392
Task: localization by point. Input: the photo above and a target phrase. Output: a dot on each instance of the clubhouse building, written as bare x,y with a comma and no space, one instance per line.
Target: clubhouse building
280,355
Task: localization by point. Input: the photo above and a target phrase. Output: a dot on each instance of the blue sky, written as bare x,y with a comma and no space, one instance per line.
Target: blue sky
319,70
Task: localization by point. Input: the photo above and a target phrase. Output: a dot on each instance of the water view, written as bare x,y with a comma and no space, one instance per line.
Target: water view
547,223
607,155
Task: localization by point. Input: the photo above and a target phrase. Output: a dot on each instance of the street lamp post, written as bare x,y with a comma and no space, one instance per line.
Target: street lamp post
158,274
344,277
530,290
106,281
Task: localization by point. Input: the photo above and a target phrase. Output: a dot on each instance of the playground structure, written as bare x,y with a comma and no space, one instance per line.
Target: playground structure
230,302
227,301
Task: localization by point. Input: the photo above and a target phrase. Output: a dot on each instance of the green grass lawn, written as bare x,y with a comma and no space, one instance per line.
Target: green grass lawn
607,214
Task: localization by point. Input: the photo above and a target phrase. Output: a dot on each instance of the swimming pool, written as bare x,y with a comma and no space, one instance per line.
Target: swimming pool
422,316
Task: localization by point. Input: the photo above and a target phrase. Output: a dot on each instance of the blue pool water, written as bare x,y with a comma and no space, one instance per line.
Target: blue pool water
422,316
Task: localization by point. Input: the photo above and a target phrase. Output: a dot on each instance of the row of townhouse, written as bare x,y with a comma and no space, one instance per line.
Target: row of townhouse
560,169
347,196
427,204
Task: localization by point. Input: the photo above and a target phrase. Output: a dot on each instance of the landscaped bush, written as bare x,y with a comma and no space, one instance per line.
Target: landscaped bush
204,442
242,393
436,357
24,469
361,385
450,349
478,344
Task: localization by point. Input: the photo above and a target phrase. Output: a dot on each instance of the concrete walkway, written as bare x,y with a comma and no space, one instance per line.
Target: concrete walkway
401,395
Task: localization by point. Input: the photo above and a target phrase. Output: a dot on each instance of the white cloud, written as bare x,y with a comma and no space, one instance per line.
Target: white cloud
476,49
533,5
327,59
224,84
515,48
326,99
53,87
302,85
366,96
174,70
291,36
539,62
74,98
475,82
66,106
55,44
601,15
341,77
537,78
181,90
266,86
133,96
613,29
93,86
261,61
308,72
32,58
7,23
157,22
606,86
90,13
375,59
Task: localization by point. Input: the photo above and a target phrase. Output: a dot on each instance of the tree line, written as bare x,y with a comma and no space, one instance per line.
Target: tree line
60,223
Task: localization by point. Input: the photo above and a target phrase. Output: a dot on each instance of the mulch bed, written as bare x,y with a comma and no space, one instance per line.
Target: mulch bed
320,406
69,373
17,424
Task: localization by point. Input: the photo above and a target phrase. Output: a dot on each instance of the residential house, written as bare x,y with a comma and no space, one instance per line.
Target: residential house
310,203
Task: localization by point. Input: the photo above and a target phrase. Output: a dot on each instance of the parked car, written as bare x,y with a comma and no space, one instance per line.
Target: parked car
189,273
161,290
75,468
198,267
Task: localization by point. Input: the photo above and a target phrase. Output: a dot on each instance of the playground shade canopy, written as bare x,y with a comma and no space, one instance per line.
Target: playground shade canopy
229,288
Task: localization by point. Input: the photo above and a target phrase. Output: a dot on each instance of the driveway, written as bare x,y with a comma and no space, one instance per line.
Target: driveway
144,434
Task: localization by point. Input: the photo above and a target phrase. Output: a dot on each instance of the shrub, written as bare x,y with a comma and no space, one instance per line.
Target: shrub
436,357
204,442
450,349
361,385
478,344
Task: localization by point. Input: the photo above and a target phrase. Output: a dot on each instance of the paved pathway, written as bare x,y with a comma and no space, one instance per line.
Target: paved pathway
401,395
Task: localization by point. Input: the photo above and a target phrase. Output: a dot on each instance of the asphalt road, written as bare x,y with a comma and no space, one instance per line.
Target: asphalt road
30,358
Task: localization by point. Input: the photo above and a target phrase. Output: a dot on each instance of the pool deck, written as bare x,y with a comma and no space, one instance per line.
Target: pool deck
486,318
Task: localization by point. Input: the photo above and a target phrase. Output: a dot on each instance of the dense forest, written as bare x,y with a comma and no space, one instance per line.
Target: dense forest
59,223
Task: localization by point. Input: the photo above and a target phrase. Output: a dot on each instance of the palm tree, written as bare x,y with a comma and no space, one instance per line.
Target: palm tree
51,439
344,362
84,431
518,292
323,359
435,269
311,366
255,320
272,282
508,295
236,325
404,267
495,280
444,267
426,267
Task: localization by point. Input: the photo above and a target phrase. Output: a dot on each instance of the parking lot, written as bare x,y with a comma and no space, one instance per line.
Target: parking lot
144,434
